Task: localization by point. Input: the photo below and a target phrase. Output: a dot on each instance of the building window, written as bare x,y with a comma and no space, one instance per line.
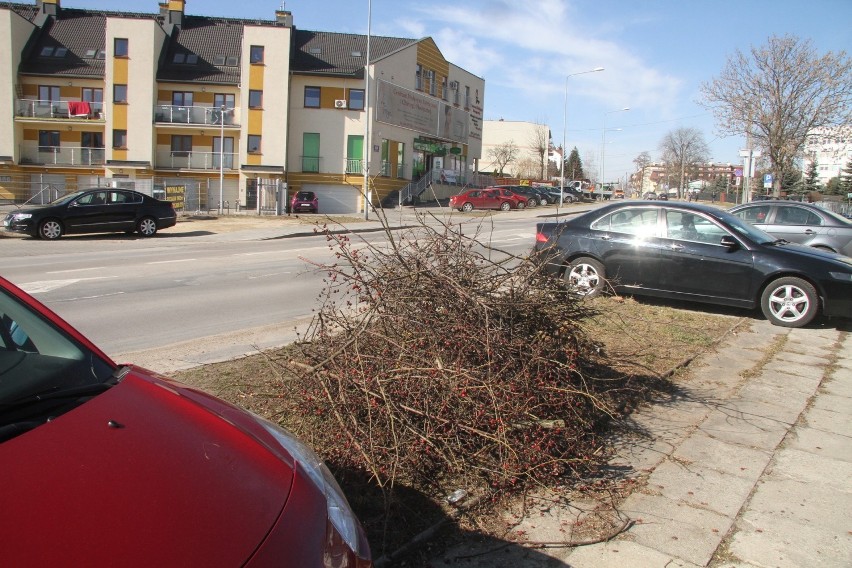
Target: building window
224,100
181,145
433,85
467,97
47,94
312,97
119,93
183,99
120,47
119,139
356,99
418,78
253,146
444,88
255,99
48,140
256,54
92,139
310,152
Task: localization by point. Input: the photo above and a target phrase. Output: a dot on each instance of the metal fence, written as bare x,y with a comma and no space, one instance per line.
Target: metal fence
190,195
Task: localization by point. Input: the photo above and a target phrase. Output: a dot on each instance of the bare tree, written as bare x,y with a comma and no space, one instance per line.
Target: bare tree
540,144
641,162
503,154
681,148
778,93
527,168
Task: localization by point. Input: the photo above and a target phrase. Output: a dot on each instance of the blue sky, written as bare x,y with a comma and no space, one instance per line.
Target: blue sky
656,54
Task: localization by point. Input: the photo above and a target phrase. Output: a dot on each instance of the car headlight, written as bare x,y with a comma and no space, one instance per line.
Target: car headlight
339,512
21,216
845,276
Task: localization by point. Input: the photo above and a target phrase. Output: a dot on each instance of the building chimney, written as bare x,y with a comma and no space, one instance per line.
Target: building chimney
171,11
284,17
48,7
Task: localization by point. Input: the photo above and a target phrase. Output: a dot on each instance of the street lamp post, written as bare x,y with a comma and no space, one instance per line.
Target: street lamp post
564,130
603,144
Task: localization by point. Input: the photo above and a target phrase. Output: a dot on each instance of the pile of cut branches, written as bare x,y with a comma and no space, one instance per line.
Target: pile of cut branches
435,357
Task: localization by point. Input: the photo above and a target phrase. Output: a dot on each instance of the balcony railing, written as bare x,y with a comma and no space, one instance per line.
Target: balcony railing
34,108
181,160
354,165
62,155
310,164
196,115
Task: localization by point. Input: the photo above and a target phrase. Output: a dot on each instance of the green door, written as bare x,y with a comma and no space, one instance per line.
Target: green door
354,154
310,152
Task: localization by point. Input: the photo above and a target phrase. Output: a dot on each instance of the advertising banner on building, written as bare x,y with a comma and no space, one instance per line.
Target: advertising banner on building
402,107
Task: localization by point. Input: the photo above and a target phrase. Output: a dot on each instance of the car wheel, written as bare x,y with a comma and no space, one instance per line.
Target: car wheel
789,302
543,201
505,206
50,229
467,207
585,277
147,226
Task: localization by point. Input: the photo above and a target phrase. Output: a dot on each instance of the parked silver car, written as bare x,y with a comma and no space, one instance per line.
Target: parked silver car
801,223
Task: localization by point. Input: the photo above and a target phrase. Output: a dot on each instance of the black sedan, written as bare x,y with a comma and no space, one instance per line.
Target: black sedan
97,210
689,251
801,223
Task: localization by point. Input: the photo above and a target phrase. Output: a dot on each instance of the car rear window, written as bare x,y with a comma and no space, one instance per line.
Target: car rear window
306,195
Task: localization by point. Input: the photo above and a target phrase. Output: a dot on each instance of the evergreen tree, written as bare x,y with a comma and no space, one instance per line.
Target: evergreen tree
812,177
574,166
845,185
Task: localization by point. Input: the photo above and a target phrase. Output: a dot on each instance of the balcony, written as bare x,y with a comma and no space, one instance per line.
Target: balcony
62,155
354,165
41,109
174,160
196,115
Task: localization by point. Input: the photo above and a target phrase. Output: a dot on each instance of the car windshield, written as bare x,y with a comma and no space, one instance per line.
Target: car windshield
37,357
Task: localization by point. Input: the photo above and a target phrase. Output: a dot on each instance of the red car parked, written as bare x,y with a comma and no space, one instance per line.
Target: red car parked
107,464
488,198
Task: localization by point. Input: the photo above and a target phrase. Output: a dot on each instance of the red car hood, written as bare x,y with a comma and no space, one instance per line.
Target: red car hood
149,473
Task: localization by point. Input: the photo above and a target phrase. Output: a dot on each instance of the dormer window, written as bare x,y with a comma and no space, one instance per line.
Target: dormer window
47,51
60,52
179,58
315,51
192,59
219,60
232,61
90,54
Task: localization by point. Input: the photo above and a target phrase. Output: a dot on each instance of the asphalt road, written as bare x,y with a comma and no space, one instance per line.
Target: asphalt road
204,290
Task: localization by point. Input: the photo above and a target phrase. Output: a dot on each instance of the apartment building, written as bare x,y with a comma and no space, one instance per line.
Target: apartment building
222,112
831,147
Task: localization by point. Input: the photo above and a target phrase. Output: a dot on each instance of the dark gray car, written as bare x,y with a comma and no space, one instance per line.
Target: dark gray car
801,223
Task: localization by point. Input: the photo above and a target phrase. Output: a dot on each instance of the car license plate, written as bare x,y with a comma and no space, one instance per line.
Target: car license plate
304,205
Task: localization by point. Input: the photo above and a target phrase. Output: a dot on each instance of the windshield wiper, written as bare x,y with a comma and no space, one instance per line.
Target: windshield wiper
57,393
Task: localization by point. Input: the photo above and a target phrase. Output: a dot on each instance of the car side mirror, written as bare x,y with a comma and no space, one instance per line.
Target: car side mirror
729,242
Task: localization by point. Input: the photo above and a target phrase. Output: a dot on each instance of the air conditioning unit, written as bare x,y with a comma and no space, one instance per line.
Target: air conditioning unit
340,103
454,85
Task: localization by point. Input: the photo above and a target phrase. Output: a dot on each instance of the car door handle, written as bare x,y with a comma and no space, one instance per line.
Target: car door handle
810,232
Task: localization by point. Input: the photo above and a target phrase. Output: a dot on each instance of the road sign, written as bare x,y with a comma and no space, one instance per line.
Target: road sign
767,180
738,172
